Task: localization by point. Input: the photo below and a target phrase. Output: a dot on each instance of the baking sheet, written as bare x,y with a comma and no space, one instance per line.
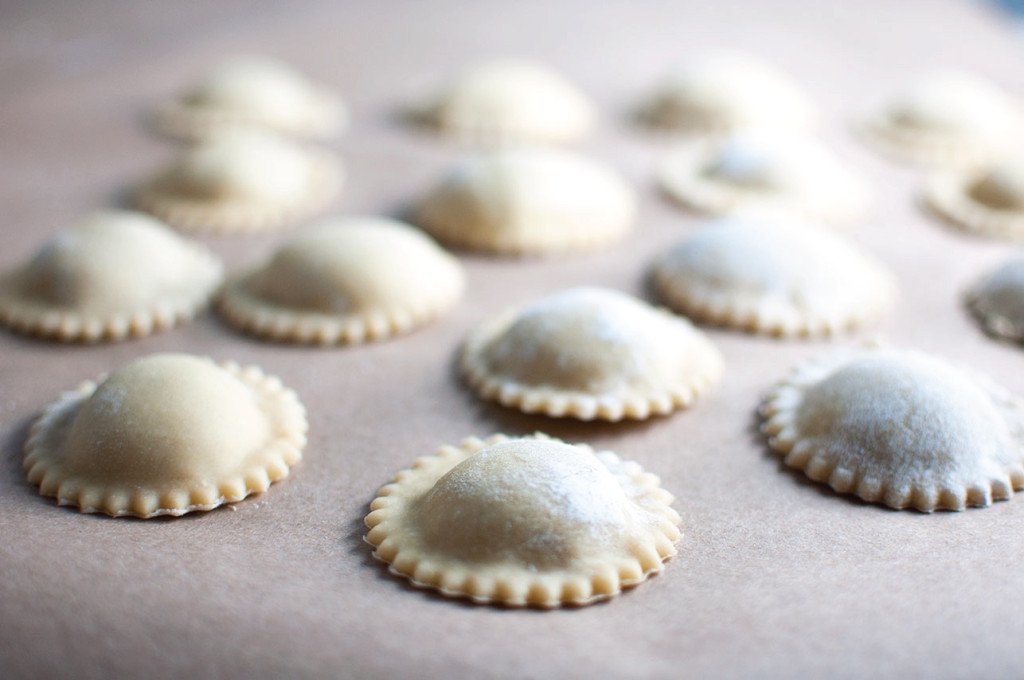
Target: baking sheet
776,576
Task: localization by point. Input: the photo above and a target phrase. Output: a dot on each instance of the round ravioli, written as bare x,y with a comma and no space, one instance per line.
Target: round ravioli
997,300
116,274
251,92
529,201
242,182
773,276
346,281
729,91
988,201
527,521
589,353
901,428
165,435
762,171
944,119
508,101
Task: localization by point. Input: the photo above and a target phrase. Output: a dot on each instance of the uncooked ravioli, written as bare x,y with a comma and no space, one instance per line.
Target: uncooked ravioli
167,434
590,353
987,201
728,91
524,521
242,182
251,92
899,427
945,119
508,101
346,280
115,274
997,300
529,201
777,276
763,171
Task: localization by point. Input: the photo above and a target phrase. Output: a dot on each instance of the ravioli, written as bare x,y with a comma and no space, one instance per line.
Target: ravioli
987,201
114,275
166,434
507,101
590,353
251,92
729,91
901,428
529,202
944,119
776,276
767,172
345,281
528,521
242,182
997,300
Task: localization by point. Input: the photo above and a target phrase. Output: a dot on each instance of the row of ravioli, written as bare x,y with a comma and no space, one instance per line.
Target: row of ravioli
953,121
944,118
121,274
527,520
518,201
518,521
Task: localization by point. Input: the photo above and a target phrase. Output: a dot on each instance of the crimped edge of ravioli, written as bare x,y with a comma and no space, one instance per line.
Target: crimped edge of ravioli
576,233
271,464
946,196
182,121
581,405
919,148
778,412
250,314
515,586
240,217
748,312
44,321
679,177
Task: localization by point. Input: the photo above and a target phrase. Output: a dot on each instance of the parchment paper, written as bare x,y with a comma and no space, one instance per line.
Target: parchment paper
776,576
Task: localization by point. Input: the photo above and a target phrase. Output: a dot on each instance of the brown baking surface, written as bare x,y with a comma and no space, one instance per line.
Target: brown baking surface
776,576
